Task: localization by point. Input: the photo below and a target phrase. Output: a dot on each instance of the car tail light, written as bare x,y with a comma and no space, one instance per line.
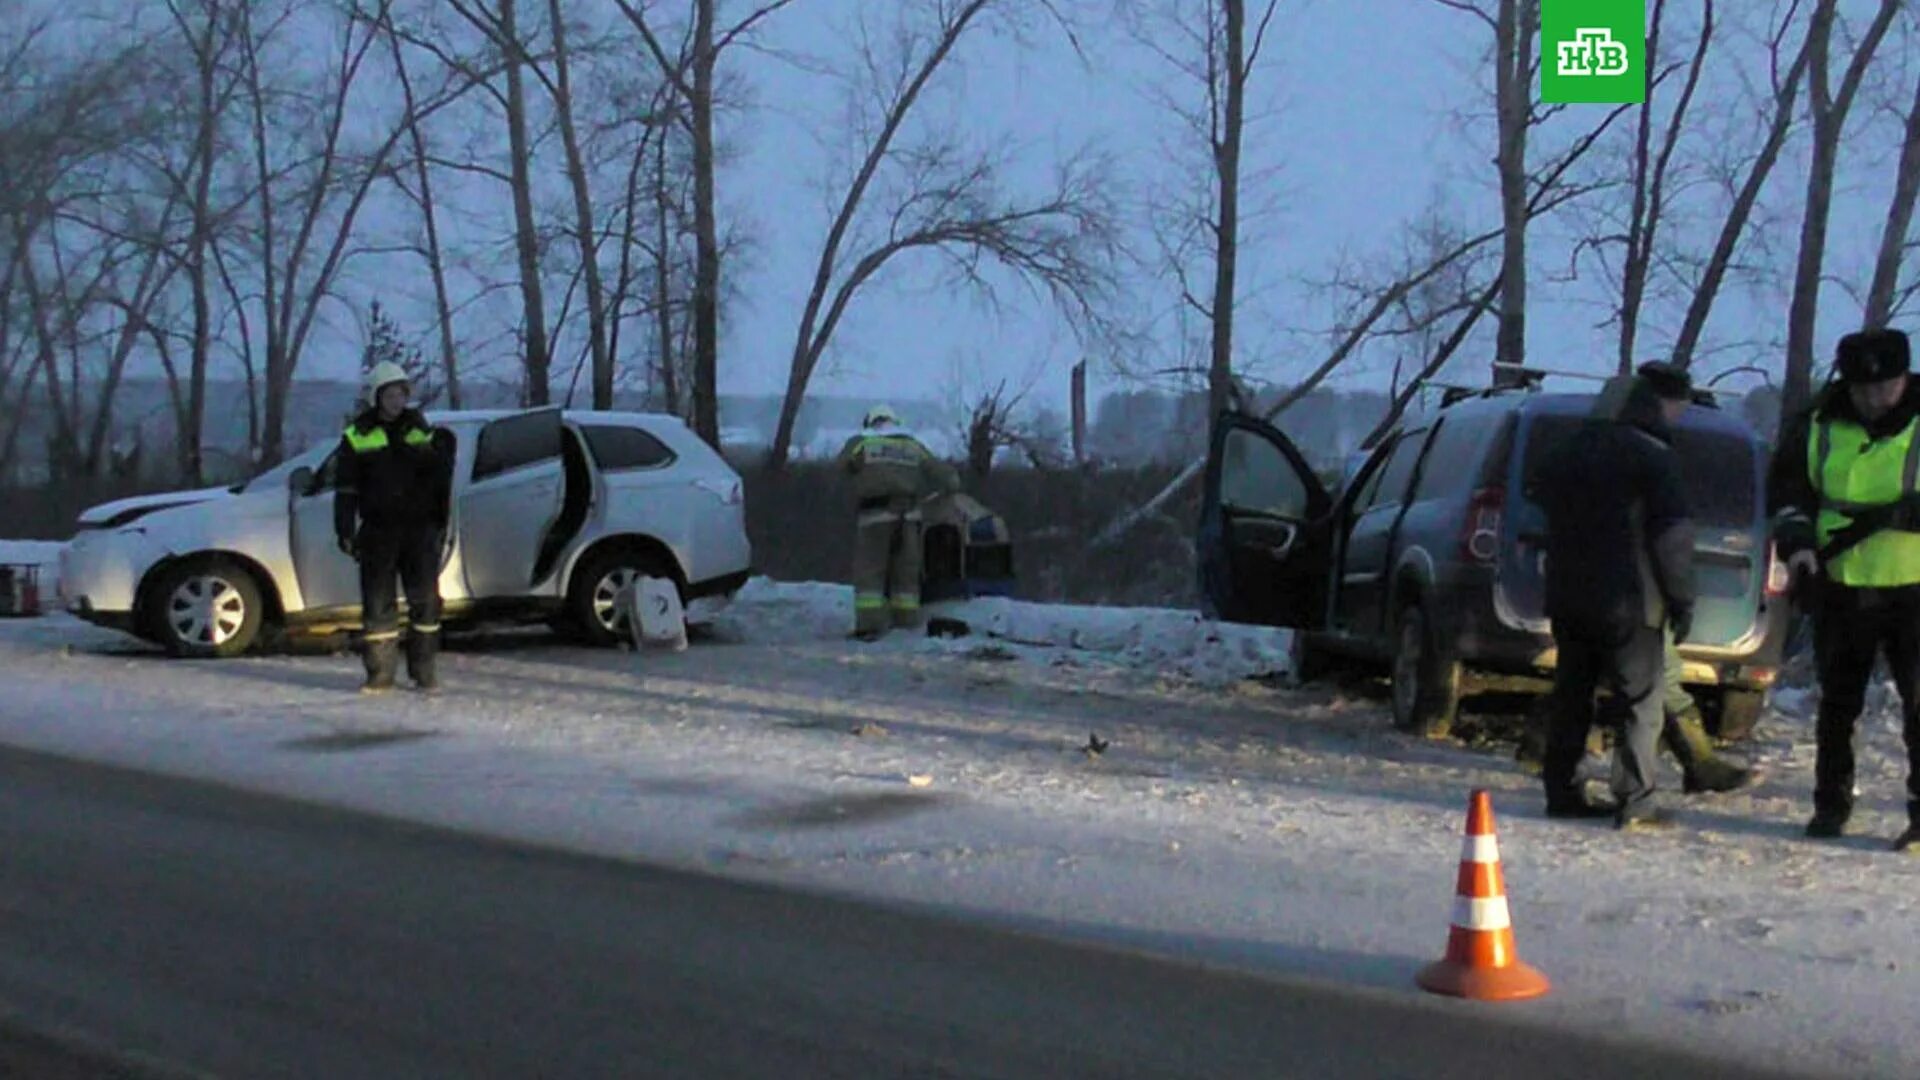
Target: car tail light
1480,536
1779,578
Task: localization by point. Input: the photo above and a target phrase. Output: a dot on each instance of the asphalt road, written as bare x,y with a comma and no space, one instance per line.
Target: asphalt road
189,928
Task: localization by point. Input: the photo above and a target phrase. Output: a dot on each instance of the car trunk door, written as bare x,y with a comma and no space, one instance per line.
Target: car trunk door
515,494
1723,473
1263,528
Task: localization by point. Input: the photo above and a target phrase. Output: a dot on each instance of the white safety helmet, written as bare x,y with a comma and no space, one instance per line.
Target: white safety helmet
881,414
384,374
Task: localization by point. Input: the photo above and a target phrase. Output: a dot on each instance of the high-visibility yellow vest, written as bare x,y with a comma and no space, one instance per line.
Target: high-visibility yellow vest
1853,472
368,442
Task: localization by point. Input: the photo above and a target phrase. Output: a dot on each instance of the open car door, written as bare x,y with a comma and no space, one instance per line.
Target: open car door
1263,529
328,577
510,500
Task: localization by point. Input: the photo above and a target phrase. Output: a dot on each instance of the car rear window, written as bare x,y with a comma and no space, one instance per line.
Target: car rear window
617,448
515,442
1717,468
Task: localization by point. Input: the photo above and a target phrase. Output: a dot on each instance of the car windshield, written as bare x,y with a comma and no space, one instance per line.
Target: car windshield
1717,467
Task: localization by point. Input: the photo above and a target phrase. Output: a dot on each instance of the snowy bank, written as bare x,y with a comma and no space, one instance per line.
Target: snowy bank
1159,641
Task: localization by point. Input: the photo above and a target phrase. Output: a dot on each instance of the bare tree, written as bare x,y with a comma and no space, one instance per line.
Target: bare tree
1884,295
1443,250
321,194
1650,175
501,27
1786,89
429,218
948,204
1211,50
691,70
1830,108
586,232
1516,27
210,29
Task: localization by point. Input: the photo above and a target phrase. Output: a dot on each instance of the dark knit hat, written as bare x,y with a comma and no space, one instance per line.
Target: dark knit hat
1669,381
1869,356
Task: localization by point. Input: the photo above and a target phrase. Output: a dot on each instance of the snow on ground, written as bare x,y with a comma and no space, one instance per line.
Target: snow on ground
1231,822
1171,643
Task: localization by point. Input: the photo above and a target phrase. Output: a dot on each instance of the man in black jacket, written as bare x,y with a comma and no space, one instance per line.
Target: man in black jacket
390,512
1619,573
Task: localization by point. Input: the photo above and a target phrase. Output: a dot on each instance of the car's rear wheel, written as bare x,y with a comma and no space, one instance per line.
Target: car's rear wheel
1426,677
593,596
205,608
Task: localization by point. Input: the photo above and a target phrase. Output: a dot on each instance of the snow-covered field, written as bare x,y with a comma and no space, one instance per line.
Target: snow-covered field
1229,820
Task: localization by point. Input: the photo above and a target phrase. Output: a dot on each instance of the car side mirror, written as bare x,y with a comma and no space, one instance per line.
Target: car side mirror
300,481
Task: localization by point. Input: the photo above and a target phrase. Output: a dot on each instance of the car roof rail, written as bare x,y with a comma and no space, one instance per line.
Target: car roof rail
1702,396
1452,393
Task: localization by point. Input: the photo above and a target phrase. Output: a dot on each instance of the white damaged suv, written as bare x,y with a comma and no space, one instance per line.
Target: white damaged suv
554,513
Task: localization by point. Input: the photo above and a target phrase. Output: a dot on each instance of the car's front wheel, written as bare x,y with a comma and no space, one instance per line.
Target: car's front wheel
593,596
205,608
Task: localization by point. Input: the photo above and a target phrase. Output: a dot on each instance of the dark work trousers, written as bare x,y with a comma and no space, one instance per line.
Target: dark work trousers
411,554
1631,672
1851,629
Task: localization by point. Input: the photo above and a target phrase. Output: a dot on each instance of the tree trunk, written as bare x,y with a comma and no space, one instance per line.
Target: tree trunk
706,271
1829,120
663,286
526,235
1514,33
1649,181
1633,274
1226,158
187,441
585,229
1893,239
436,263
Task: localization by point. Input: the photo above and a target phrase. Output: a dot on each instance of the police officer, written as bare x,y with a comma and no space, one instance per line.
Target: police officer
893,472
1619,571
1844,483
390,513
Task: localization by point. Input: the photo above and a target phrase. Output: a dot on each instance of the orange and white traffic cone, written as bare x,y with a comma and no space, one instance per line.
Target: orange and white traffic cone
1481,963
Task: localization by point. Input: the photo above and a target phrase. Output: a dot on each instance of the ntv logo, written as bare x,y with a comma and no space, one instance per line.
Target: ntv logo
1592,52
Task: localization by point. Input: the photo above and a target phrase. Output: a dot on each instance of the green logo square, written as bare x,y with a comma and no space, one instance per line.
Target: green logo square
1593,51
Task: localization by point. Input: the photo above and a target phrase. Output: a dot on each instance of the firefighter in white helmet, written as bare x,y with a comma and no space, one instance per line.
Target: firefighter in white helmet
391,507
893,473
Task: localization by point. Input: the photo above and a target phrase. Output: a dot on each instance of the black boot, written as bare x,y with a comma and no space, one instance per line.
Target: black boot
1829,821
423,652
1574,806
382,658
1909,841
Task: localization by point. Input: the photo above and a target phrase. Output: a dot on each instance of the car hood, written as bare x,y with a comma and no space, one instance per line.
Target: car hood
114,514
